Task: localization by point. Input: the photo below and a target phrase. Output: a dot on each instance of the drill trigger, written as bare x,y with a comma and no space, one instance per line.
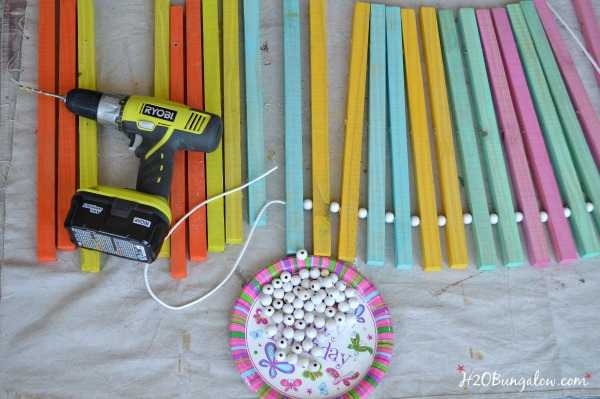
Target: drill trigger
136,140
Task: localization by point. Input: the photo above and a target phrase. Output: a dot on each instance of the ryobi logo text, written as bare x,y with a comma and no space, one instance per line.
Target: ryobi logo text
93,208
159,112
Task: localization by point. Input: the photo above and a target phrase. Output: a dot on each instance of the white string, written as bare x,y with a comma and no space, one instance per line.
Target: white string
587,54
237,261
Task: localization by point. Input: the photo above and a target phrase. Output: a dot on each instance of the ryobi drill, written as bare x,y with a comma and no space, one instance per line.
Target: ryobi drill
126,223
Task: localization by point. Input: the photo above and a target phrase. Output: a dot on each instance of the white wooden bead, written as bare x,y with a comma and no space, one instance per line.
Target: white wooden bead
315,286
543,217
285,276
340,318
304,295
266,300
278,293
295,280
281,343
277,317
299,336
334,277
302,362
415,221
467,218
298,303
269,311
280,327
334,207
288,308
304,273
314,273
328,282
567,212
268,289
322,293
330,324
518,217
589,206
314,366
309,317
305,284
317,351
280,354
343,307
271,330
319,322
340,298
493,218
309,306
291,358
316,299
353,303
351,319
329,312
287,287
307,345
329,301
298,314
289,297
311,332
277,304
308,204
340,285
277,336
289,320
320,308
389,217
277,283
350,292
442,220
288,332
301,254
362,213
297,349
297,290
324,272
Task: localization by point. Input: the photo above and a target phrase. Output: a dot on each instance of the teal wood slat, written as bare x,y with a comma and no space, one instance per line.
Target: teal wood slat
485,249
377,133
398,140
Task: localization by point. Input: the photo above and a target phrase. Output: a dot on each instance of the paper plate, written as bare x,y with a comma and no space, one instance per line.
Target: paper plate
355,359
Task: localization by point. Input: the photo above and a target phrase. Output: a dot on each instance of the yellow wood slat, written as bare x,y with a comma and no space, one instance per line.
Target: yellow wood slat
419,133
351,169
88,144
162,70
444,143
320,129
231,113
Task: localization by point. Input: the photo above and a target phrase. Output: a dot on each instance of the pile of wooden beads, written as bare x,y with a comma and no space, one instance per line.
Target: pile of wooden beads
303,309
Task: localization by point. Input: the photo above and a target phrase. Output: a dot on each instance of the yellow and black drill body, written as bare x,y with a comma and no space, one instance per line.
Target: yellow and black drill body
127,223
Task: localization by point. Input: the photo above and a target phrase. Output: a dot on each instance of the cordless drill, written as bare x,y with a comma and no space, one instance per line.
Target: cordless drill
127,223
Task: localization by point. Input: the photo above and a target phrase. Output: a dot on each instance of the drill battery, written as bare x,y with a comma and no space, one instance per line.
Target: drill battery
118,221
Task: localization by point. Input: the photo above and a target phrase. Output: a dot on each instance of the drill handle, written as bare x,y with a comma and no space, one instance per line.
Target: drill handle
156,172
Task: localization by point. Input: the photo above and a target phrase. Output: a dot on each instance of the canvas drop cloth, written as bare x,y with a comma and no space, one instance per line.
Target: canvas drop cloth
66,334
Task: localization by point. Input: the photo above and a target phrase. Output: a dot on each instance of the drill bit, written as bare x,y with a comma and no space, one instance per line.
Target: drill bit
38,91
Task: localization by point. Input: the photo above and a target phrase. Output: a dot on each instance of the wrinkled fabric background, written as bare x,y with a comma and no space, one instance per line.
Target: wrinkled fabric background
66,334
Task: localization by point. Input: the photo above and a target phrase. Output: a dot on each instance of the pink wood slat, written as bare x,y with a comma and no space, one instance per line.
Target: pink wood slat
589,28
590,124
543,174
539,253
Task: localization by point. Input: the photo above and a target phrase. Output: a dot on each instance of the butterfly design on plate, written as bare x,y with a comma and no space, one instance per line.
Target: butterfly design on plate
323,389
291,384
358,313
356,345
337,377
256,334
313,375
258,317
273,364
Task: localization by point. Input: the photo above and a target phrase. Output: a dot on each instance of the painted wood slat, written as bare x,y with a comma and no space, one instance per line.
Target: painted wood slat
525,195
161,71
570,188
456,242
321,185
47,112
590,124
232,150
178,192
212,103
67,122
537,153
88,143
398,140
377,133
589,28
351,169
294,194
489,137
419,133
257,193
485,248
588,173
196,171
